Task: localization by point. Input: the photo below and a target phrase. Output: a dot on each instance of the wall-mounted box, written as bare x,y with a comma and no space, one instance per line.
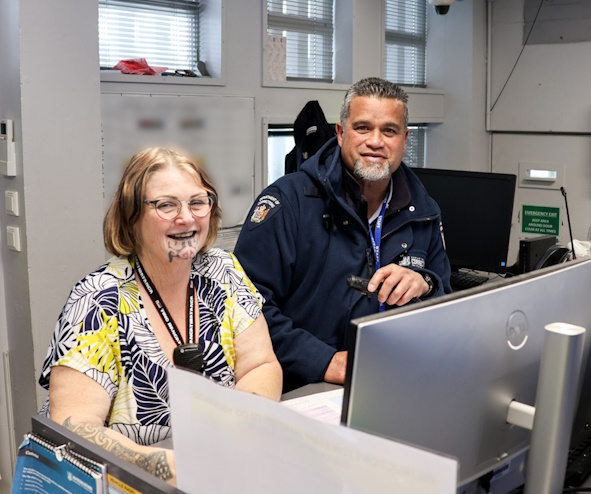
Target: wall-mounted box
541,175
7,149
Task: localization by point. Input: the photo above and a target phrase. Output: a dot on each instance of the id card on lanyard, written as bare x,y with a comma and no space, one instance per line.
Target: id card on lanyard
376,240
376,235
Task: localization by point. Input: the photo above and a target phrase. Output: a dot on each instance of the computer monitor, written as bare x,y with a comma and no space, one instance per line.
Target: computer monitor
441,375
476,209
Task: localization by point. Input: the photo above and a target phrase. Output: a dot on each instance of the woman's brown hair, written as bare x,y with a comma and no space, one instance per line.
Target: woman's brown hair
119,226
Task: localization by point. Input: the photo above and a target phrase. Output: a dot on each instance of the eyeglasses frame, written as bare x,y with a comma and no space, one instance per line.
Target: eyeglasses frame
156,201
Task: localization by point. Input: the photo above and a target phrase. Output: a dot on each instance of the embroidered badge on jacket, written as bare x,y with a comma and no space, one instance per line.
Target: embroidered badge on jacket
266,207
259,213
412,261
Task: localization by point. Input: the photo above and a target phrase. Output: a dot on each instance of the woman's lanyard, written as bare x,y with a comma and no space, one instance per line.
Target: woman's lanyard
376,235
155,296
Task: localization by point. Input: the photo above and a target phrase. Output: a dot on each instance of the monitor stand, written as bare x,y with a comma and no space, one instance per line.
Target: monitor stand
551,420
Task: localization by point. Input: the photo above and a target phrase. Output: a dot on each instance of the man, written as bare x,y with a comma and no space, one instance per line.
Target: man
353,209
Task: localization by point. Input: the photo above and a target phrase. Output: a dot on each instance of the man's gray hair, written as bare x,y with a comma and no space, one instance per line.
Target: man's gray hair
374,86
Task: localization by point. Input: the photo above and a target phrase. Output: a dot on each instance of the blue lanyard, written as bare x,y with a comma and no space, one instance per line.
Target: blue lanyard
376,239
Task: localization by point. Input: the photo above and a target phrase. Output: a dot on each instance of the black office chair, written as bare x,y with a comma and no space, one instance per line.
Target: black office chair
311,131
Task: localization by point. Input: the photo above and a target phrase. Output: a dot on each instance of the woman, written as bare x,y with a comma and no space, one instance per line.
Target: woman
115,338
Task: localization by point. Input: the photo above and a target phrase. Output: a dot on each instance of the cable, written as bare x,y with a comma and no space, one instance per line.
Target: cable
572,242
519,56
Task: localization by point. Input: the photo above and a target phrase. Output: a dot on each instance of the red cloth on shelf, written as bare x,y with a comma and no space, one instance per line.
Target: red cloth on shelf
138,66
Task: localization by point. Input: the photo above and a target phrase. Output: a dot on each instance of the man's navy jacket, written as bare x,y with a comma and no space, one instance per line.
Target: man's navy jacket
302,240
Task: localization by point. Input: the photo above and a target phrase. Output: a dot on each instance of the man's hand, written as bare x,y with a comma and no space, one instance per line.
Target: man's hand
399,285
335,373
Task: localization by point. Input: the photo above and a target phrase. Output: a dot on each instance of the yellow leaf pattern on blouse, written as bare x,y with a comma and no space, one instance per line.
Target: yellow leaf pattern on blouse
125,407
226,333
128,302
101,348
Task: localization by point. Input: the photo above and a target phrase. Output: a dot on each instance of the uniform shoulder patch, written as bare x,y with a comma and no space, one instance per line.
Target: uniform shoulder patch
266,206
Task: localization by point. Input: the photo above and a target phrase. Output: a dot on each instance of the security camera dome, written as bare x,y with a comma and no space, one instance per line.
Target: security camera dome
442,9
441,6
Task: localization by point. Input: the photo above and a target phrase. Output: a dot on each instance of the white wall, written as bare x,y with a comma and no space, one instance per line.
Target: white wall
573,151
49,85
542,116
13,296
549,89
456,63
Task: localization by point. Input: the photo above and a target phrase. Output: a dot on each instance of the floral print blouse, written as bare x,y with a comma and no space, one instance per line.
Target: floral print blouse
104,332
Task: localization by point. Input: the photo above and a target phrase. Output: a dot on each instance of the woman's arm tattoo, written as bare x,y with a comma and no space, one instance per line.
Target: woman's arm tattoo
155,463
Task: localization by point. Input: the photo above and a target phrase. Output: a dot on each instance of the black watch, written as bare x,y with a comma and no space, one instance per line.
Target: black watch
429,282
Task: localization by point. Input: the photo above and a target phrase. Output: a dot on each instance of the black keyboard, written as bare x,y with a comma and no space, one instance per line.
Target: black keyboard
461,280
578,465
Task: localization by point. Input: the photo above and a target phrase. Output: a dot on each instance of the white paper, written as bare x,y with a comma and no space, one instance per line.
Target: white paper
229,441
275,57
325,406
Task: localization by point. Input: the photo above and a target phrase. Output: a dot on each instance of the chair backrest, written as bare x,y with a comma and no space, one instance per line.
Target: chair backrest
311,131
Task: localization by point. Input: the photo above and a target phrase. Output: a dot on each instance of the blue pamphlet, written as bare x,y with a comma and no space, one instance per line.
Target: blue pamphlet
44,467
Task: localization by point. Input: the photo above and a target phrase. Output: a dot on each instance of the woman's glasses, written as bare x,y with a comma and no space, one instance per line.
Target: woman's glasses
169,209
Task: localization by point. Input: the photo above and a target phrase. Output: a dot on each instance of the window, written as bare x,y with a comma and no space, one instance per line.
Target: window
415,147
164,32
280,142
308,28
406,33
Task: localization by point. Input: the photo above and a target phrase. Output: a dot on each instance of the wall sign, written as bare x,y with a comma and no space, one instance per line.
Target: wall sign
540,220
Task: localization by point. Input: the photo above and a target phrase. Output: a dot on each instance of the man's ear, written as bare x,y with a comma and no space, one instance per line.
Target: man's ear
339,129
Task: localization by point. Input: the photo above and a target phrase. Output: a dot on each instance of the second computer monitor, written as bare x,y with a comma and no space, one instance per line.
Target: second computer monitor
477,210
442,375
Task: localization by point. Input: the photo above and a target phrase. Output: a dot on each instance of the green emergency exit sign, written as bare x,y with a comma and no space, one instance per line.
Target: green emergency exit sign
540,219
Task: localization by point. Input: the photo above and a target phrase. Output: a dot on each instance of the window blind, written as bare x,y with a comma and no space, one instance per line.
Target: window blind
406,33
164,32
414,154
308,26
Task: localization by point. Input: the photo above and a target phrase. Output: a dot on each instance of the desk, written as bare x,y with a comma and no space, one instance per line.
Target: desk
131,473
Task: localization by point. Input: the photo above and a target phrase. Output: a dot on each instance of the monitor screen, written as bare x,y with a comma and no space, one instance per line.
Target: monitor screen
441,375
476,210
